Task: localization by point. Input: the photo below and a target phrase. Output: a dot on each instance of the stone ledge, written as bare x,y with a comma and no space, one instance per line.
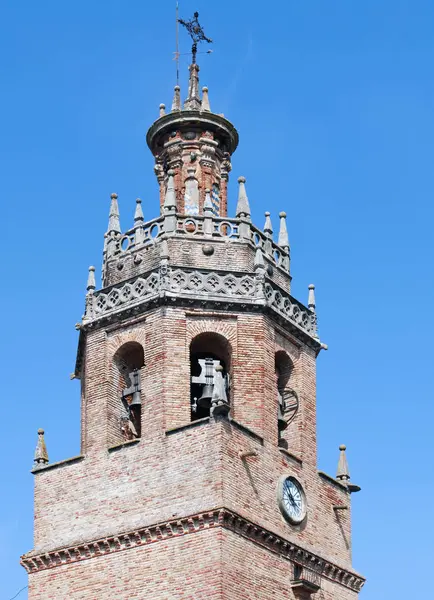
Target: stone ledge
60,463
219,517
333,481
190,425
291,456
123,445
229,421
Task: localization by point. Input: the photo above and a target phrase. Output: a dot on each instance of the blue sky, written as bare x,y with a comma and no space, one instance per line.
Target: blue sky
334,105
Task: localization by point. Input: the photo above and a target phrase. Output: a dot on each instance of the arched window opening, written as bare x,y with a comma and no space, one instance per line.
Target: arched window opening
210,355
286,396
129,360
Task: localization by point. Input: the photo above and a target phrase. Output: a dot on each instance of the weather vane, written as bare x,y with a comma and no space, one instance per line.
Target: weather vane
196,32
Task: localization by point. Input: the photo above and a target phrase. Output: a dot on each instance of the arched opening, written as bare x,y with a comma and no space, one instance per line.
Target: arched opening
129,360
286,396
210,365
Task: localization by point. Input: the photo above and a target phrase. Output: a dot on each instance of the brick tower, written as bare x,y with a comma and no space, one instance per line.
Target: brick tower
198,475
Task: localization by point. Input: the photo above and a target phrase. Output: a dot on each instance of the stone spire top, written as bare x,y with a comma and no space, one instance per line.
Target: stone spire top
91,283
138,214
193,101
243,206
283,232
311,303
343,472
194,142
41,454
114,221
170,198
268,228
205,100
176,103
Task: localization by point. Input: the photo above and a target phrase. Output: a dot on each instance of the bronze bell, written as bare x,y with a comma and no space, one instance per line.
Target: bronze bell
205,400
131,395
282,422
136,399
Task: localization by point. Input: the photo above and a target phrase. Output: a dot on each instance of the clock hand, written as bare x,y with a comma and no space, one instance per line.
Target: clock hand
291,498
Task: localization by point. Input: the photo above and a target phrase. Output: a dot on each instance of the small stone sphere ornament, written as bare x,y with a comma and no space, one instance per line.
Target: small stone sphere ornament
208,250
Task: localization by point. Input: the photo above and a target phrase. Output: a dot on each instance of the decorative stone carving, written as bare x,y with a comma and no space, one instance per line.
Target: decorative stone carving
220,517
287,306
205,285
191,196
126,294
219,403
208,155
208,250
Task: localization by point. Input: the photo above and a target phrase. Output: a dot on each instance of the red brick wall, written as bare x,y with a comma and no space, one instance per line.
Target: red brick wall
172,474
211,564
173,569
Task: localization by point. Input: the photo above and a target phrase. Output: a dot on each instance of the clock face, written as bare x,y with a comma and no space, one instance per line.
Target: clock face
292,500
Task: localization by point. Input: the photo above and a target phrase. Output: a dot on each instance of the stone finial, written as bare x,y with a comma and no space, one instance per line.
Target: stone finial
41,454
176,104
283,232
243,207
205,100
170,198
114,222
138,223
343,471
311,299
162,110
259,259
193,101
207,205
138,214
268,228
91,285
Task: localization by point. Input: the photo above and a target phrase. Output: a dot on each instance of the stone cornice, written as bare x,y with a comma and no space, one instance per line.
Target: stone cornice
49,466
333,481
185,119
34,562
197,288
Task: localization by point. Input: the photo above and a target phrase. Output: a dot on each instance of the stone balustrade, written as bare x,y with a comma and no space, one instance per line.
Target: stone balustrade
203,285
208,226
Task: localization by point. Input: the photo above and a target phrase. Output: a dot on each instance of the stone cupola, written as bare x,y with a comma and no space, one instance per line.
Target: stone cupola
197,144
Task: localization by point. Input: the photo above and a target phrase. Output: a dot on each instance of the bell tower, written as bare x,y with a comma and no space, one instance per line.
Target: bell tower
197,475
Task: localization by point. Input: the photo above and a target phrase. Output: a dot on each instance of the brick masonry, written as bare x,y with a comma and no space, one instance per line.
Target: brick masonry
179,469
190,509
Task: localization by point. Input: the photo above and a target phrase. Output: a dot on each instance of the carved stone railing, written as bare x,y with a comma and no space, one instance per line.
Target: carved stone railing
203,285
222,227
270,248
290,308
134,237
212,283
211,227
124,294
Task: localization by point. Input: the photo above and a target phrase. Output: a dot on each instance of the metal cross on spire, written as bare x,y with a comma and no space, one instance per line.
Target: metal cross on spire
196,32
